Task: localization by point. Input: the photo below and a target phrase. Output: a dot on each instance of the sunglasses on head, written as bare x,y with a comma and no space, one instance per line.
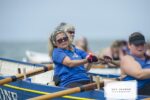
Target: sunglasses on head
71,32
64,39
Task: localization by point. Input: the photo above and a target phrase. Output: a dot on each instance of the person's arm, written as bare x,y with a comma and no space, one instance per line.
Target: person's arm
72,63
60,57
133,68
84,55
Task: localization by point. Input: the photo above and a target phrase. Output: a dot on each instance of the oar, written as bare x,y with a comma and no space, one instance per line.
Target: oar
83,88
146,99
28,74
112,62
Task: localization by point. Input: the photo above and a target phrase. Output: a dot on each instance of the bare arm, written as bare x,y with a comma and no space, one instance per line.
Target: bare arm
133,68
72,63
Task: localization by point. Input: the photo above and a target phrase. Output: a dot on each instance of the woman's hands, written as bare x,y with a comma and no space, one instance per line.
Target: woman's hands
91,58
107,59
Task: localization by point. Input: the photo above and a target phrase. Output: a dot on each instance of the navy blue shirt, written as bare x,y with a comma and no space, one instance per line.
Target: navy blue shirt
144,64
67,74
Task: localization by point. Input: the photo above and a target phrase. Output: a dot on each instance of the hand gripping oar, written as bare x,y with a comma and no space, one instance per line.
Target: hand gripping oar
86,87
28,74
112,62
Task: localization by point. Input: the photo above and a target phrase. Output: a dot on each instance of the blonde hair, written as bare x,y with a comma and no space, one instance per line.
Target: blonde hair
61,28
51,44
52,40
66,27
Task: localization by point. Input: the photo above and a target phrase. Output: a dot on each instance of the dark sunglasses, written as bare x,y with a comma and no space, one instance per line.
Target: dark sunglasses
64,39
71,32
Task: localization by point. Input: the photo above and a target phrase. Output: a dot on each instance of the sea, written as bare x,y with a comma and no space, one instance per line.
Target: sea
17,50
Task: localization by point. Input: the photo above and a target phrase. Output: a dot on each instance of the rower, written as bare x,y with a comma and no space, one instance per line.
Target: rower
69,29
136,65
82,43
115,52
69,61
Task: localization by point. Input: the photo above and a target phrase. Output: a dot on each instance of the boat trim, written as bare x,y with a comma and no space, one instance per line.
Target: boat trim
21,62
41,92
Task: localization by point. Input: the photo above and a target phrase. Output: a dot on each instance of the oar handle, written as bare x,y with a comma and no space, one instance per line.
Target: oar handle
112,62
28,74
86,87
6,80
146,99
57,94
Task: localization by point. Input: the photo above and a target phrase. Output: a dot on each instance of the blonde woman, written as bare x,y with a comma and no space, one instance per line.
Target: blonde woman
70,32
69,61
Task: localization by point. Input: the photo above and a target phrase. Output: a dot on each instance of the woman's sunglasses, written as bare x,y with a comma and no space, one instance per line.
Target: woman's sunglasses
64,39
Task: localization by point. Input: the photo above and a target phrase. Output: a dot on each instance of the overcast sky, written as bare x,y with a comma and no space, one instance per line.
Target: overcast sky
28,20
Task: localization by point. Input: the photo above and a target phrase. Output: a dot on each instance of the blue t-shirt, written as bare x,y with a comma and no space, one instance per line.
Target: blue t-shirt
67,74
144,64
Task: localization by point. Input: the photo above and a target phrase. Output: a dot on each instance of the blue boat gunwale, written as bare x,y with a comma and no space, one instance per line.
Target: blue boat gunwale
41,65
21,62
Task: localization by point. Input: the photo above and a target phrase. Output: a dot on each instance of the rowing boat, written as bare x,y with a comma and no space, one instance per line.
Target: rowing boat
24,89
37,57
10,67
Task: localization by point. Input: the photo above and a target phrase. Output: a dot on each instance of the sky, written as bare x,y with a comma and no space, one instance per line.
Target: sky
34,20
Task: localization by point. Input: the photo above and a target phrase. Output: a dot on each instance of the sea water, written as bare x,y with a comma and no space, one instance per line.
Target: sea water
16,50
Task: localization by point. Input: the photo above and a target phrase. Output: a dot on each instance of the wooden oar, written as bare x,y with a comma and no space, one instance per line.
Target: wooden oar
86,87
28,74
112,62
146,99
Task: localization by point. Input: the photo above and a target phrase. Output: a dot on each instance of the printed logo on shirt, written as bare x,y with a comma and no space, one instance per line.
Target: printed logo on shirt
148,62
75,55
